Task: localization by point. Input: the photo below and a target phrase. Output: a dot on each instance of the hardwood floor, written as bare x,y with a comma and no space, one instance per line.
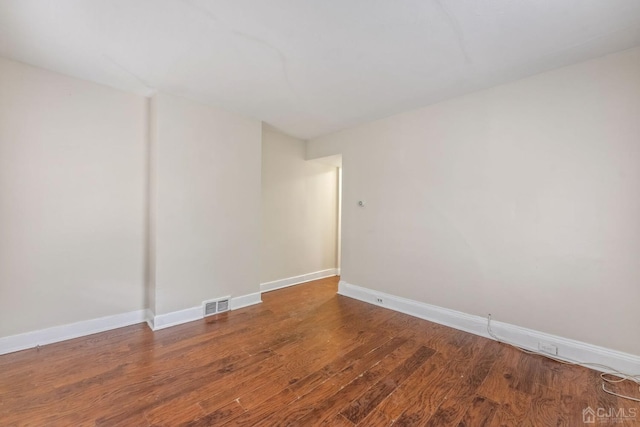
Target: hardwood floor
304,357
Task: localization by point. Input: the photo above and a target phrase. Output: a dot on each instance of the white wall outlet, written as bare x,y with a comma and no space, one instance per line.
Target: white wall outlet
545,347
379,300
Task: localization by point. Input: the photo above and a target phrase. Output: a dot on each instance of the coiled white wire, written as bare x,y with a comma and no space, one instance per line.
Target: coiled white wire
606,376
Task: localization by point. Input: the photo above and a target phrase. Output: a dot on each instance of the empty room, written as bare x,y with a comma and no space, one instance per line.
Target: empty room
319,213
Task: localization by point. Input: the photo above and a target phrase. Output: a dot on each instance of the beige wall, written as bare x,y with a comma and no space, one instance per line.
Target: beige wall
206,176
521,201
110,203
150,202
299,209
71,199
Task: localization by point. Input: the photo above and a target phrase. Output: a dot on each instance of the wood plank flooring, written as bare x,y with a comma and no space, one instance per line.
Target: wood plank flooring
304,357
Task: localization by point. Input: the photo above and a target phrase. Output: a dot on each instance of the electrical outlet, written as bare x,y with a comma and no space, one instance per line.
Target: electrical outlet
379,300
545,347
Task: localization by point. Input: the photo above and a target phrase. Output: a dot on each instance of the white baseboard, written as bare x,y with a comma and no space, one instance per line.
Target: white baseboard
296,280
245,300
162,321
568,349
175,318
148,317
66,332
74,330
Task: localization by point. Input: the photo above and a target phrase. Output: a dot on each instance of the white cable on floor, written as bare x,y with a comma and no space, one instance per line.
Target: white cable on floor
613,372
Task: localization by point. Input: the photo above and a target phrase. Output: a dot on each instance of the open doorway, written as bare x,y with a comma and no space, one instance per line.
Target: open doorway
301,213
336,161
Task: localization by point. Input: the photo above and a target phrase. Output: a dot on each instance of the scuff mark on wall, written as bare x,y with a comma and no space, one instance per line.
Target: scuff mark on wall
281,56
202,10
251,38
455,26
492,8
150,88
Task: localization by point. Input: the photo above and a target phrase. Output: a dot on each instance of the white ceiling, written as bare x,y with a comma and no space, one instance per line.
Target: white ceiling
309,67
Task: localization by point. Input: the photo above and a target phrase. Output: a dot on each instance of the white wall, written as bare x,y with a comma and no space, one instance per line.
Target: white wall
110,203
71,199
299,209
206,176
521,201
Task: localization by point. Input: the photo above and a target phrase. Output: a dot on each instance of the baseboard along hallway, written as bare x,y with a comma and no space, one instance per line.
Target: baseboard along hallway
305,356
